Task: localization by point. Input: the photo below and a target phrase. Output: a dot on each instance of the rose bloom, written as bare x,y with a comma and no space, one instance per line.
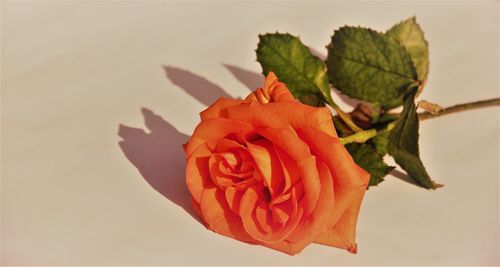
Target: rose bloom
270,170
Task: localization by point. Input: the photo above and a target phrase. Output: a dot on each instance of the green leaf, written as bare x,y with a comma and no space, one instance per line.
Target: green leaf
311,99
368,159
295,65
410,35
370,66
403,143
380,142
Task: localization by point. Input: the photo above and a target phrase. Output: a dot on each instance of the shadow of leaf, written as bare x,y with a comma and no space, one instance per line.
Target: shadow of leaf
252,80
403,176
158,157
198,87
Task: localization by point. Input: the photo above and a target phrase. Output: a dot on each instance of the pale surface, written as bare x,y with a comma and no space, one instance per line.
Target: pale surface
73,71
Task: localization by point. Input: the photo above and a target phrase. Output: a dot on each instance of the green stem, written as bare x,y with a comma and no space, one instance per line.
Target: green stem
363,136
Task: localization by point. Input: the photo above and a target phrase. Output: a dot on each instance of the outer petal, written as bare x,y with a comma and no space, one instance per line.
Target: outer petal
214,110
343,234
344,171
282,94
197,171
350,182
219,216
280,115
273,91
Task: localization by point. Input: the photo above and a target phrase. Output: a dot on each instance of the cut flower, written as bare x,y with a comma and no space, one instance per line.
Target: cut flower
270,170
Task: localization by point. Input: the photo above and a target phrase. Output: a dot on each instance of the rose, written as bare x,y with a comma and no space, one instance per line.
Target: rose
269,170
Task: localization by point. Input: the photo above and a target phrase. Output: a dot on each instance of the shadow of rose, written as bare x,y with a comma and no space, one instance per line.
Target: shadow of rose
158,156
157,151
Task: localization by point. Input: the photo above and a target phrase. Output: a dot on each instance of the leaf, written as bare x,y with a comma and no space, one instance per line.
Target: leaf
430,107
370,66
411,36
368,159
311,100
403,143
380,142
295,65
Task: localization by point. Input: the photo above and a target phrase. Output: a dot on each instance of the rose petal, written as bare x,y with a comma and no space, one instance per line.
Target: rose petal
280,115
291,173
233,198
343,234
318,222
214,130
251,200
287,140
321,218
231,172
282,94
219,178
230,158
263,217
241,152
350,181
214,110
267,162
344,171
281,212
273,91
197,171
225,145
280,199
219,216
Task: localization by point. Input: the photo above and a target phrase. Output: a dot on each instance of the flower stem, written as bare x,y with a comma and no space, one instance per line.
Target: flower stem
363,136
460,107
359,137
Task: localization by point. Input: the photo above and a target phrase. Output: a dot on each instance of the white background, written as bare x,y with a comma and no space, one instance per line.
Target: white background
72,72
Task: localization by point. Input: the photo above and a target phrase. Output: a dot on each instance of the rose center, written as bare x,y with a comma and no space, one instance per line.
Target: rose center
267,194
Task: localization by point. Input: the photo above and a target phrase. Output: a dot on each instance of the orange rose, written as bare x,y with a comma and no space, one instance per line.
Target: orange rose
269,170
